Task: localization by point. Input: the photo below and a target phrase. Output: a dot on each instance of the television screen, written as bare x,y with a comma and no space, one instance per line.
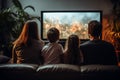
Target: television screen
68,22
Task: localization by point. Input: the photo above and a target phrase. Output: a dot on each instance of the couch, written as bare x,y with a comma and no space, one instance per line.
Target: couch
59,72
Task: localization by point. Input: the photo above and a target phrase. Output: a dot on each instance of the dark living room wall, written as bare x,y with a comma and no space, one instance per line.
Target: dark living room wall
41,5
3,4
104,5
0,4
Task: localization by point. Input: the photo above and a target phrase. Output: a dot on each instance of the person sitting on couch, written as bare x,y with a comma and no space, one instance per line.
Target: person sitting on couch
27,48
52,51
72,53
97,51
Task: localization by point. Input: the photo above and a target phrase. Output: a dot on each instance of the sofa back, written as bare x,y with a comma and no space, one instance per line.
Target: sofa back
17,71
58,72
100,72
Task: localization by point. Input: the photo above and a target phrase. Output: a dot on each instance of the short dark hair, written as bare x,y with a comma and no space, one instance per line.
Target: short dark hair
53,34
94,28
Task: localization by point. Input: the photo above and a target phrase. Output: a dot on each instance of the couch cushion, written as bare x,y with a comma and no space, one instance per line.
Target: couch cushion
18,71
58,71
58,68
100,72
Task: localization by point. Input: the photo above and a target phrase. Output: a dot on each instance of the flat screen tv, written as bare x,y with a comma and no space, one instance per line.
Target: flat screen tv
68,22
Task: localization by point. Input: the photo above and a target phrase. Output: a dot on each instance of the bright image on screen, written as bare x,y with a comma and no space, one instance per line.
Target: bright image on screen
69,23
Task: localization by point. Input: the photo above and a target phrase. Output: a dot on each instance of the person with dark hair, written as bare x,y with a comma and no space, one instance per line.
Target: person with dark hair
97,51
72,53
27,48
52,51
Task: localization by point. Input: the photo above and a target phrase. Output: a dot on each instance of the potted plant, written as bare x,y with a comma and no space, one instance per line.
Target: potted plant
116,24
21,16
7,22
11,23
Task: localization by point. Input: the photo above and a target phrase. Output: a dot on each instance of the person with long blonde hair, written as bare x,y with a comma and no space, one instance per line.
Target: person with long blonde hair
27,48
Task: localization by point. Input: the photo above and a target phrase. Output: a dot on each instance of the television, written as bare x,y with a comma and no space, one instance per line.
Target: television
68,22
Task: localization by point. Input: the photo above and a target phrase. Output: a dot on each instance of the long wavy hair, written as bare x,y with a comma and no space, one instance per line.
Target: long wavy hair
72,49
29,32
